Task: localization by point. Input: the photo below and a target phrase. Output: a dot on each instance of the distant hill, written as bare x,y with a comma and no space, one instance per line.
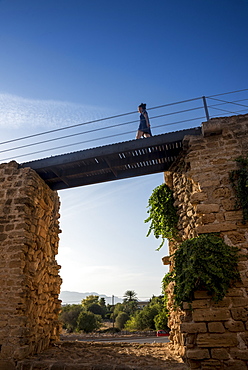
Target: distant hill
68,297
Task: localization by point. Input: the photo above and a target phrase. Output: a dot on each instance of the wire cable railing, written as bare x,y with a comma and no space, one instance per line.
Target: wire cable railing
191,114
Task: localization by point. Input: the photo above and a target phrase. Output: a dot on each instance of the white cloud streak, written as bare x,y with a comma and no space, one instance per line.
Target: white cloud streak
16,111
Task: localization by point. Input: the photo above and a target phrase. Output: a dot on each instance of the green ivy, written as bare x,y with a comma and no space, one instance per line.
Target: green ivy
162,214
204,262
239,179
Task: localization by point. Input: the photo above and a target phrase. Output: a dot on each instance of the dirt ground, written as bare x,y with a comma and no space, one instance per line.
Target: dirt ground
70,355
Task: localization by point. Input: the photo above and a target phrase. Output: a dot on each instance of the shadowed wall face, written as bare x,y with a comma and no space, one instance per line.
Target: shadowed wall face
29,278
212,335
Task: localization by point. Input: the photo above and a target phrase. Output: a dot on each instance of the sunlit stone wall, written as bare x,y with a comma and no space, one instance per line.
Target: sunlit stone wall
212,335
29,273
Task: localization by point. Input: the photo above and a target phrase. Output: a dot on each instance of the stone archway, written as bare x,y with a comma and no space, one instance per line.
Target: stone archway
211,336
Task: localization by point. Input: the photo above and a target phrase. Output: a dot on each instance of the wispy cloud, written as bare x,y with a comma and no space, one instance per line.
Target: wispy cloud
16,111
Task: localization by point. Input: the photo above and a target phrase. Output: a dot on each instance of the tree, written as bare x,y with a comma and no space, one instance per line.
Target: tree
131,324
161,321
109,311
130,295
153,316
121,319
69,316
102,302
96,309
130,307
89,300
145,318
88,322
119,307
93,304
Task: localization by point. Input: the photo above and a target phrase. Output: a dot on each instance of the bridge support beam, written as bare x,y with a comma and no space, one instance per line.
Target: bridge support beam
212,335
29,279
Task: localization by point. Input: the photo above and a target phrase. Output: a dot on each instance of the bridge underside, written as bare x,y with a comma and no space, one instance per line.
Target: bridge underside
111,162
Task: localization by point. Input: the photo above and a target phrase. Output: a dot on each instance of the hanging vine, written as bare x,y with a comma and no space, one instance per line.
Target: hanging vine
239,179
162,214
204,262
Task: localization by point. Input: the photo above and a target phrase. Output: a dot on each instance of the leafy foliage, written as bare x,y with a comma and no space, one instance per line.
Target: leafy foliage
130,295
69,316
204,262
121,319
162,214
89,300
95,305
88,322
239,179
92,310
151,317
97,309
160,320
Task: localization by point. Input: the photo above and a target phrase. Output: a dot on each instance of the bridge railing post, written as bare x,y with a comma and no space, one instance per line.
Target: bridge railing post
205,107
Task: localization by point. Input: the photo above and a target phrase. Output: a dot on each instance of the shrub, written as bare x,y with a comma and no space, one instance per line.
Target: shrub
162,214
204,262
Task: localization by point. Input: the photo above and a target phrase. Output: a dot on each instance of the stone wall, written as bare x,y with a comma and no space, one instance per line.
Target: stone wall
29,279
212,336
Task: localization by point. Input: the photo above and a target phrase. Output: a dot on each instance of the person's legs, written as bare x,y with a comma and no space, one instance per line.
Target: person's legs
139,134
146,134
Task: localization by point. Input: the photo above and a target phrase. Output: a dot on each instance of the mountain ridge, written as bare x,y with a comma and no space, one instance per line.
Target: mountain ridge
70,297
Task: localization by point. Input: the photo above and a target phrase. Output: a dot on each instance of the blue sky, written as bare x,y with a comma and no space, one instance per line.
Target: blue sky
68,62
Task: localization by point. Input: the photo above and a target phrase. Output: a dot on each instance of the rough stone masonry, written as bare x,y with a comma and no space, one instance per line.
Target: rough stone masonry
212,336
29,279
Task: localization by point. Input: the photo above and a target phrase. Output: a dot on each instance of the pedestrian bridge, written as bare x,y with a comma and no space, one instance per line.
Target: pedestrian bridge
111,162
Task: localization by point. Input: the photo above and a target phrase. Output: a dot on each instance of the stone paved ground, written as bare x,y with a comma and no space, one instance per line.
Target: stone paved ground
71,355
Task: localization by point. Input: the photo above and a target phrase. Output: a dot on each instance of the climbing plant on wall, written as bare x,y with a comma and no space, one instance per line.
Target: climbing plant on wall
239,179
162,214
204,262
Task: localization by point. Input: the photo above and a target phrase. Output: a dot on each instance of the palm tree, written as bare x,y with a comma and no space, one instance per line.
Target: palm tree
130,296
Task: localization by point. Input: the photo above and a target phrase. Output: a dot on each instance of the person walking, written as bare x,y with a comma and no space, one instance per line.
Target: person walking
144,129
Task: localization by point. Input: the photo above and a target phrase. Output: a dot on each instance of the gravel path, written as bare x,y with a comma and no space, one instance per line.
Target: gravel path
75,355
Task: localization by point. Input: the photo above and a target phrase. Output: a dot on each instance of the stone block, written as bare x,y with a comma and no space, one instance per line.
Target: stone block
206,184
216,327
166,260
244,337
229,204
7,365
236,237
201,303
198,197
212,127
239,302
225,302
193,327
223,192
216,228
236,365
235,292
217,340
207,208
208,218
211,364
234,216
198,354
239,354
59,366
240,313
220,354
201,294
235,326
220,314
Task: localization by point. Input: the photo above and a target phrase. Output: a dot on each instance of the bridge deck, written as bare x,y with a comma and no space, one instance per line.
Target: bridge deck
111,162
